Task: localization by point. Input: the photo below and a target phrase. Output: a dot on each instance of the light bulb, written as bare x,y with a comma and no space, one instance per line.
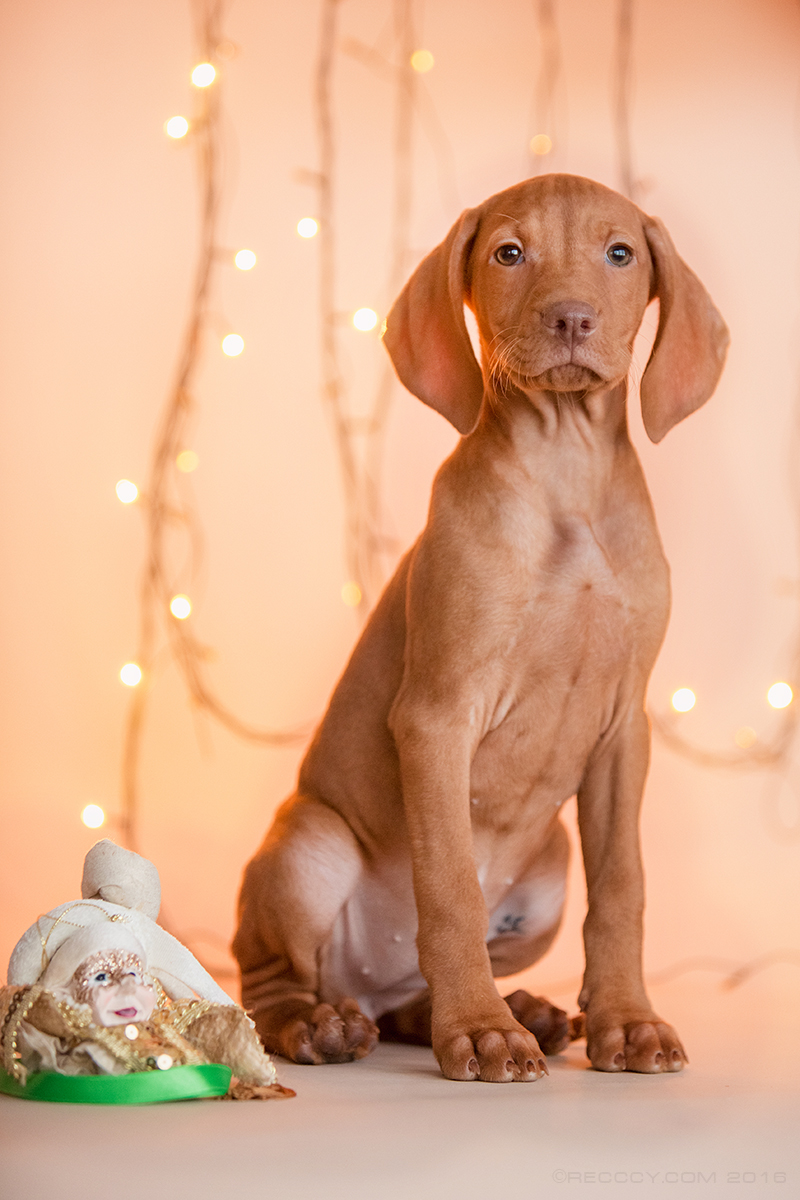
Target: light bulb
421,61
365,319
245,260
93,816
127,491
683,699
131,674
307,227
177,127
180,607
351,594
232,345
780,695
745,737
187,461
541,144
203,75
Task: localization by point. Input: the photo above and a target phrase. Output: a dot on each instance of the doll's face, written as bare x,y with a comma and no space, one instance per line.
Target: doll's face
112,983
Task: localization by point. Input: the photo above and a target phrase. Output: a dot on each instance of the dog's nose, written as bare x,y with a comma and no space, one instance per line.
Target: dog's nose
570,320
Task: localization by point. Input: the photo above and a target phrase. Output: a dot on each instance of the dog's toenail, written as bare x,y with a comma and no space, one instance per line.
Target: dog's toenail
619,1059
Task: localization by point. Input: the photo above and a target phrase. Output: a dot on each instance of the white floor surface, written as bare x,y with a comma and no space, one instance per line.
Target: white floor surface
391,1128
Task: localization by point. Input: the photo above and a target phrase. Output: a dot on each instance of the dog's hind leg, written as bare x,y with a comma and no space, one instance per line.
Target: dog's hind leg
292,892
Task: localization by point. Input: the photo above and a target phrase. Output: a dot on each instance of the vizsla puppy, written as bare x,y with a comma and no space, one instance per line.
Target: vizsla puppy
503,670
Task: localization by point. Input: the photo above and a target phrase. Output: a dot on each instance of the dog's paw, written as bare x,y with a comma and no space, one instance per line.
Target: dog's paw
504,1055
548,1024
330,1034
647,1046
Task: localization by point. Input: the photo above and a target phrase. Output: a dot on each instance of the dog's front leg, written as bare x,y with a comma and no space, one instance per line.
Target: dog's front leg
622,1030
474,1035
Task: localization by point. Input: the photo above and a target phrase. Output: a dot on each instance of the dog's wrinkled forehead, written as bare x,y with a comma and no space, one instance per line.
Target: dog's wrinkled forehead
561,214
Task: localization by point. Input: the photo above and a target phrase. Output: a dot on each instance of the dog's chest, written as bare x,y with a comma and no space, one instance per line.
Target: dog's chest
592,617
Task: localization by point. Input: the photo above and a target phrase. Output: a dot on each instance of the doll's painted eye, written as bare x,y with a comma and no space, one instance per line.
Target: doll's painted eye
509,255
101,977
619,255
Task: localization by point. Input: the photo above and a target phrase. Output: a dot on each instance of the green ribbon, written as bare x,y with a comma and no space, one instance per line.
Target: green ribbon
138,1087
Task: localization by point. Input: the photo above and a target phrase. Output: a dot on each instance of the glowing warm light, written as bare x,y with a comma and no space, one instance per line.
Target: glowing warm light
745,737
351,594
203,75
93,816
127,491
307,227
683,699
365,319
187,461
180,607
245,260
177,127
422,61
779,695
232,345
541,144
131,674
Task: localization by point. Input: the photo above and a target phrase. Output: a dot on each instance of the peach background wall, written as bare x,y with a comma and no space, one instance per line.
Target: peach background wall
98,227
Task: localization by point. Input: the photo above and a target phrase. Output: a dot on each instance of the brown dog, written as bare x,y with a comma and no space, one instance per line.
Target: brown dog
503,670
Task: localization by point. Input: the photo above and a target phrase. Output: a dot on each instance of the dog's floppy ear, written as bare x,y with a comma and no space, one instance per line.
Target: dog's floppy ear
689,351
426,334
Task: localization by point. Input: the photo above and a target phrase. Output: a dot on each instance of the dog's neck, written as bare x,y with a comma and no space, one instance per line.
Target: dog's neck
538,416
569,445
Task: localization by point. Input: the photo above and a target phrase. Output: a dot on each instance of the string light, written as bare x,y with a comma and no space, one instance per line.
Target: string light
232,345
131,674
365,319
167,504
365,540
351,594
752,754
245,260
683,700
93,816
127,491
203,75
623,77
177,127
543,108
187,461
359,429
780,695
422,61
180,606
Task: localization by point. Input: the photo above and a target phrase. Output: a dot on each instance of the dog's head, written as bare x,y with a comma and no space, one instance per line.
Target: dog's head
558,272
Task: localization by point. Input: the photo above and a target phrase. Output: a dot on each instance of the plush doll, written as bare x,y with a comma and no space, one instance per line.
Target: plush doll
97,988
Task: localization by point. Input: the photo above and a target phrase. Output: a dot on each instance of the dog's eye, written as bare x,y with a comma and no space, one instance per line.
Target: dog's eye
508,255
619,255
